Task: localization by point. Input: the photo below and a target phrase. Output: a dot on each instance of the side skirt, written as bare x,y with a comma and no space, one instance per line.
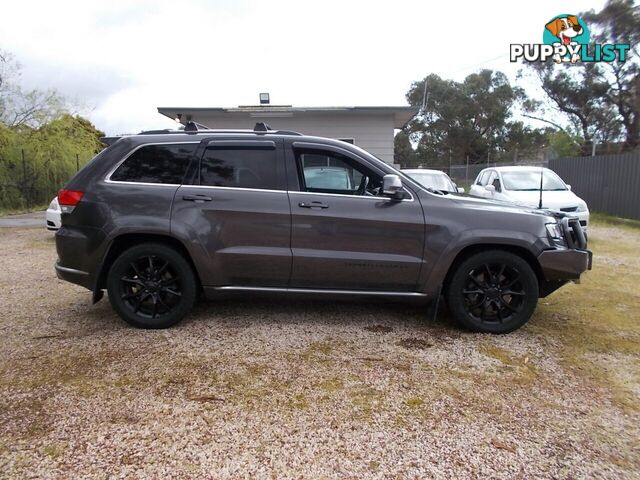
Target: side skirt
214,292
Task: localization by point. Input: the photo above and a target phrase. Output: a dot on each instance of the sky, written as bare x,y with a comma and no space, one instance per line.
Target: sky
120,60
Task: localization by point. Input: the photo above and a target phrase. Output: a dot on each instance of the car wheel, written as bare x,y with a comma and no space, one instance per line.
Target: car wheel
151,286
492,292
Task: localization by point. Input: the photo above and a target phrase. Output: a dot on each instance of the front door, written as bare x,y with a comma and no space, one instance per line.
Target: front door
345,233
238,211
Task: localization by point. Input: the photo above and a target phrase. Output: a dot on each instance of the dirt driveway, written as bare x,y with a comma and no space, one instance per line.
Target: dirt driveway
292,389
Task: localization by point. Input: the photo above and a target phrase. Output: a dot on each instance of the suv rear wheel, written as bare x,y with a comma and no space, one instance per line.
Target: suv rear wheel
493,291
151,286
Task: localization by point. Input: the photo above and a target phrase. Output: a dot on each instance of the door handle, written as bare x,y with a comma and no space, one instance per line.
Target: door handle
313,205
197,198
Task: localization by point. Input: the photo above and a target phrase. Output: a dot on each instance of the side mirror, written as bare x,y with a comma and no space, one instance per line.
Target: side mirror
490,188
496,184
392,186
568,187
460,190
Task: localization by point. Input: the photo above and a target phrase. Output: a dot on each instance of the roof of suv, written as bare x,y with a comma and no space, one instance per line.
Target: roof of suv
196,129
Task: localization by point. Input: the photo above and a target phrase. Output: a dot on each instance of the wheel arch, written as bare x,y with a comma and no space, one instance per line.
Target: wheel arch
470,250
125,241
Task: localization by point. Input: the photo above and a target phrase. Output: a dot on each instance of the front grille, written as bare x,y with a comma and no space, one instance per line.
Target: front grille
569,209
573,233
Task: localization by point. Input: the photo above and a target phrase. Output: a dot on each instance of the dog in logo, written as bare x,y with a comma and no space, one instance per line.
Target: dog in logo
566,29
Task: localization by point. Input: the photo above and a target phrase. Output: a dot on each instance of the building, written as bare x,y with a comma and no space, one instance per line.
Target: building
371,128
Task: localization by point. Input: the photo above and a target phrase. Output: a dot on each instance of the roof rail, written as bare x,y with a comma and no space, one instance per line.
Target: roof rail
260,128
108,141
194,127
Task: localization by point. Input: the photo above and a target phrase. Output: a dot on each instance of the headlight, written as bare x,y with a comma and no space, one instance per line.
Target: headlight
582,207
557,235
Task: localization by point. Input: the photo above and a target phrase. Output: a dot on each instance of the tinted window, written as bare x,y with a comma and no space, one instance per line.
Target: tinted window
156,164
328,172
240,168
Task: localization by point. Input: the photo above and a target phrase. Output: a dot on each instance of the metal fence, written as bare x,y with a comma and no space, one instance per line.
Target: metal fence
608,183
467,173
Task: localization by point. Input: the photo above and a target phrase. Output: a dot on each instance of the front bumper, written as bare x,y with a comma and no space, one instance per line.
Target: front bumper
564,264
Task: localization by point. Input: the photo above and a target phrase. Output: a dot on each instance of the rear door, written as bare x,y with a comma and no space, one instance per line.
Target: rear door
236,208
345,234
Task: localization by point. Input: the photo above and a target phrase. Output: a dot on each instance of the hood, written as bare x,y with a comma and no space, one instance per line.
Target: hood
550,199
501,207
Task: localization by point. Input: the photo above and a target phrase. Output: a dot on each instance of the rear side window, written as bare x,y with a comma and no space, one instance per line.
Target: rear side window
156,164
240,167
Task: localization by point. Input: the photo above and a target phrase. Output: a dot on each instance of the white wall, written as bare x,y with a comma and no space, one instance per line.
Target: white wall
374,133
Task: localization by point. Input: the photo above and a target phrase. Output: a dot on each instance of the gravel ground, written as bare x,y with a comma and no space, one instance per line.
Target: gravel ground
255,388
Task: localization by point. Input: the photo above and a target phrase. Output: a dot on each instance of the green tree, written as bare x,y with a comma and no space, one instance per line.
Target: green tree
594,101
461,119
20,108
619,22
35,163
575,103
403,153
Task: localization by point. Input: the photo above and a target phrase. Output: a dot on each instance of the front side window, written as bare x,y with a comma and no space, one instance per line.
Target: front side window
328,172
156,164
239,167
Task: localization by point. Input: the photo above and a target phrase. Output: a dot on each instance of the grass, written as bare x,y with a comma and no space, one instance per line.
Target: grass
598,322
4,211
604,219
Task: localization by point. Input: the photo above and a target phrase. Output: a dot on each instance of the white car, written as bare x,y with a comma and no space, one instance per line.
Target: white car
521,185
53,215
436,179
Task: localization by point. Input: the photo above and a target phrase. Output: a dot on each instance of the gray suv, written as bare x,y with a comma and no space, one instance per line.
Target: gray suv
158,218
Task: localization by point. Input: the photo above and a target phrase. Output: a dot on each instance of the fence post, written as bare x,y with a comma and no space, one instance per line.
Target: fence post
77,162
466,175
24,193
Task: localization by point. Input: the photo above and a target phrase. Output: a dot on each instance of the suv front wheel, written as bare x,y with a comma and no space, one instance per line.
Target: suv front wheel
493,292
151,286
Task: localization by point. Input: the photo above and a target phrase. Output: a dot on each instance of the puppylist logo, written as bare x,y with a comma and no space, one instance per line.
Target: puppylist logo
566,40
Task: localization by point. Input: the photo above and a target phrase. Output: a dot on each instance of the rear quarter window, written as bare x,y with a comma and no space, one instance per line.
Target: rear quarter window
165,164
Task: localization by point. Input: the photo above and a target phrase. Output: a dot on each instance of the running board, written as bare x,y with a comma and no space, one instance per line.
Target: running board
316,290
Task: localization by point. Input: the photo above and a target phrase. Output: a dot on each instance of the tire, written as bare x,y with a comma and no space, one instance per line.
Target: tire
152,286
476,293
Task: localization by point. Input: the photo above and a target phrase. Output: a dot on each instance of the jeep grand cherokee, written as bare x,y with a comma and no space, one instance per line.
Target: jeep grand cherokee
159,217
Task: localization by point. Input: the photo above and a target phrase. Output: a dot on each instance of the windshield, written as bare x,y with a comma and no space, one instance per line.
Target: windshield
437,181
529,180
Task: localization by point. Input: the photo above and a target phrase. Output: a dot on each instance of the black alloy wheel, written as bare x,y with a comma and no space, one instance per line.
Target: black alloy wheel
151,286
493,291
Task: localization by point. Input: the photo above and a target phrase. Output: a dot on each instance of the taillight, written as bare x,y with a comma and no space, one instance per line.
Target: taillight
68,199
